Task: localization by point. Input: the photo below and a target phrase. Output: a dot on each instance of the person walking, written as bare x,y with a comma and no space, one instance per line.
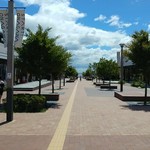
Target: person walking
1,89
80,78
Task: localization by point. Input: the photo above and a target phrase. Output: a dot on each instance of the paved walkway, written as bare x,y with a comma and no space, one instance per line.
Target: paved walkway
85,118
30,86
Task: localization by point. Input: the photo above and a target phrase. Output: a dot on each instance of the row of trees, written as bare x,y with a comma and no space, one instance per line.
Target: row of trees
71,72
137,50
40,56
104,69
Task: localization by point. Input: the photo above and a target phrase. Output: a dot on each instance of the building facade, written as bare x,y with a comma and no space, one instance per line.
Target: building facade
3,61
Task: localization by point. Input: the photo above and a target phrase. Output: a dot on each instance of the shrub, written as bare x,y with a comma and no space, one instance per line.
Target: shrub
120,82
36,103
28,103
138,84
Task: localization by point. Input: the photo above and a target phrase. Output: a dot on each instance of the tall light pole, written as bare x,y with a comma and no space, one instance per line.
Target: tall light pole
10,60
121,67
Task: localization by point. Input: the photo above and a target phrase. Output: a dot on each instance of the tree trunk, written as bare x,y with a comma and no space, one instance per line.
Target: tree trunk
103,81
64,81
40,86
52,84
109,82
60,82
96,79
145,100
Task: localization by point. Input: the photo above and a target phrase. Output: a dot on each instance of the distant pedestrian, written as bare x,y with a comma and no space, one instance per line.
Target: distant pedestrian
1,88
80,78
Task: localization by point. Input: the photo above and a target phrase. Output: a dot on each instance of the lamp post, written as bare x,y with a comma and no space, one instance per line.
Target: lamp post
121,67
10,60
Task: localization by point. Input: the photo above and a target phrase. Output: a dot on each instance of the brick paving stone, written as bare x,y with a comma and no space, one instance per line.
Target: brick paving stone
101,121
24,142
34,130
98,121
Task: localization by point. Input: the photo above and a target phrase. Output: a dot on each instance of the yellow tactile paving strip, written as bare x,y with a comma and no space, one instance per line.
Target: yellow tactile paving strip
58,139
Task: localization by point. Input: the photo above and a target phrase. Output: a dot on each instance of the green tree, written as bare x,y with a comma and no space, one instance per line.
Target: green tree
89,73
60,59
107,69
39,55
71,72
139,52
33,55
94,66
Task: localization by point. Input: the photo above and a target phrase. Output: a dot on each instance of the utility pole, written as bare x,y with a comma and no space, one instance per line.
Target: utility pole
121,77
10,60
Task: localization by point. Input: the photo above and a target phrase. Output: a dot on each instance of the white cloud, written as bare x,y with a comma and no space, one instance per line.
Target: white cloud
148,27
136,23
115,21
87,44
100,18
43,2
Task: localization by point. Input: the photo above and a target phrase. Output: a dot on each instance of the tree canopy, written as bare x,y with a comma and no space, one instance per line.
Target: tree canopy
40,55
71,72
107,69
139,52
90,71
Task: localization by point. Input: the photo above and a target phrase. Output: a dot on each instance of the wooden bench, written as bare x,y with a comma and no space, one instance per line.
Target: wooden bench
71,80
100,84
130,98
108,87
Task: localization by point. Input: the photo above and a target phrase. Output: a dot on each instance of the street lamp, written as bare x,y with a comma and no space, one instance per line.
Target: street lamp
121,67
10,60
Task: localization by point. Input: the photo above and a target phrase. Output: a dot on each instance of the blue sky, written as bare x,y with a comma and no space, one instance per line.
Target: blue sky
89,29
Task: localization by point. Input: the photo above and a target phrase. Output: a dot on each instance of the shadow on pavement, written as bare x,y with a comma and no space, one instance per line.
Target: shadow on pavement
3,123
137,107
53,105
111,90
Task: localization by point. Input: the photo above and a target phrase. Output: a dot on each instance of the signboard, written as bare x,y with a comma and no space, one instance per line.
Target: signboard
20,25
4,25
